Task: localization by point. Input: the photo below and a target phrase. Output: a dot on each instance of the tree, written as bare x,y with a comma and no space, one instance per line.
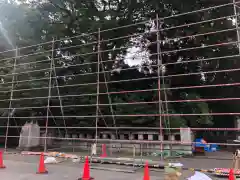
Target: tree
58,19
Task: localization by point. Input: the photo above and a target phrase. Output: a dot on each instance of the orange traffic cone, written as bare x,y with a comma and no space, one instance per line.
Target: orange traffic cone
86,171
231,175
146,172
41,168
1,161
104,152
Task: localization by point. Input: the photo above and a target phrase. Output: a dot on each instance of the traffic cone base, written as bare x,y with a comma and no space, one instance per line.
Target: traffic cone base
45,172
91,178
2,167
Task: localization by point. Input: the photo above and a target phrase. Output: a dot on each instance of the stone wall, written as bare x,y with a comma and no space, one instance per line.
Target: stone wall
183,139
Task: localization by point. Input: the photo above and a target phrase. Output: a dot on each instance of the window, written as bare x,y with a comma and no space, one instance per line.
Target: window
145,137
165,138
126,136
155,137
177,137
135,136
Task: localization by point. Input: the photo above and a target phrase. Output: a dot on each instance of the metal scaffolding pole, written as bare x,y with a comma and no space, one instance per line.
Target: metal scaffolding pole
49,96
108,94
236,23
58,91
97,94
11,97
159,62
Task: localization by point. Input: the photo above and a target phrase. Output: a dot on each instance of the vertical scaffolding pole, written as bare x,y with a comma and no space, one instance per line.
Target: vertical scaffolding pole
11,97
49,96
108,94
159,62
58,91
97,98
236,24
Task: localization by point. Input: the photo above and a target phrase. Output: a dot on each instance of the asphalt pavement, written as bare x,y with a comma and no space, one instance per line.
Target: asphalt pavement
21,167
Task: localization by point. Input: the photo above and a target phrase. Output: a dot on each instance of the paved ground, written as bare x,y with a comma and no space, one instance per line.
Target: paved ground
26,171
24,168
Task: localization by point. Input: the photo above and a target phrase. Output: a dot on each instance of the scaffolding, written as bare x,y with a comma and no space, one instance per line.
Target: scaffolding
100,116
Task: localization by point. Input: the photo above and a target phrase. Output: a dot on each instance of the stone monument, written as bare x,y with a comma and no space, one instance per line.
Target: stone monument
29,136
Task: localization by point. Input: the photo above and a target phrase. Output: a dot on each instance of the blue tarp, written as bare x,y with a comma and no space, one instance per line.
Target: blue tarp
199,142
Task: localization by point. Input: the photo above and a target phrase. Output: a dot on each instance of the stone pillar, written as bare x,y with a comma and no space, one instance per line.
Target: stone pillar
75,136
172,138
225,133
122,136
140,136
142,148
150,146
113,136
67,136
81,136
88,144
160,137
186,136
131,137
104,136
150,137
89,136
69,140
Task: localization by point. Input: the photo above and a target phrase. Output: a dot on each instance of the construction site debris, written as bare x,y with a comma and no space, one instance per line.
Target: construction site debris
50,160
199,176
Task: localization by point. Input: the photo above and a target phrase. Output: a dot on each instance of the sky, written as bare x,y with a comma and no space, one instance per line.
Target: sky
136,54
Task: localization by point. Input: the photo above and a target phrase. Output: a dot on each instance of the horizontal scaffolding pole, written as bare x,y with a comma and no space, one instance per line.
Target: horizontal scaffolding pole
133,128
126,141
127,103
129,115
128,80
